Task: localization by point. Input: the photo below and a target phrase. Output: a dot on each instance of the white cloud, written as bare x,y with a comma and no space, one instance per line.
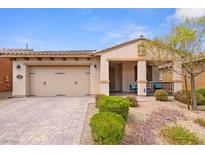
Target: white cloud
126,32
188,13
112,32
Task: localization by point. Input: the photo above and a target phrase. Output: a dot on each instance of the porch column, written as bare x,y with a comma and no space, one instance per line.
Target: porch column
142,78
104,76
177,78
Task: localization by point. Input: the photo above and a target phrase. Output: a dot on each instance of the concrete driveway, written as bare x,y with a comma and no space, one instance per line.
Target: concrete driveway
42,120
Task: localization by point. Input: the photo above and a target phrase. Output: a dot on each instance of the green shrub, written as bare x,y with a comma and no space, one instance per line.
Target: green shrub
115,104
107,128
200,99
132,101
181,96
161,95
200,121
179,135
201,91
97,97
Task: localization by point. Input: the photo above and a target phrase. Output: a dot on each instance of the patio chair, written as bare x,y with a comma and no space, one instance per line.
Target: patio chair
133,87
157,86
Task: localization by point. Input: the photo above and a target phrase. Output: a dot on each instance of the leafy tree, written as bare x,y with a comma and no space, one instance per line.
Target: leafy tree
182,47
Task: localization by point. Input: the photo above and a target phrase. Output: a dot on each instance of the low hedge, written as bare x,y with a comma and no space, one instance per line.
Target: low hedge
200,99
97,98
115,104
181,96
132,101
201,91
107,128
161,95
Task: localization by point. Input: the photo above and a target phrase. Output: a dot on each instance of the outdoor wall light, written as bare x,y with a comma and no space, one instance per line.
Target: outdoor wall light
19,76
18,67
95,65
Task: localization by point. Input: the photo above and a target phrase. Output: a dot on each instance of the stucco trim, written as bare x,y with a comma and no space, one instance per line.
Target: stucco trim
128,59
141,81
178,81
104,81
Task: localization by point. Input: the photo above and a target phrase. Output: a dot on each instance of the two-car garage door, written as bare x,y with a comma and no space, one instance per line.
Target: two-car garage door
59,80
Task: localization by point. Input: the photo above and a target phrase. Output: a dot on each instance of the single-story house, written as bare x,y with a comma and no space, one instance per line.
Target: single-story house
166,76
5,74
82,72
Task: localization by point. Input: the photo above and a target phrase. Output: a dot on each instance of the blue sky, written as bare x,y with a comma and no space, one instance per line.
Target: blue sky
58,29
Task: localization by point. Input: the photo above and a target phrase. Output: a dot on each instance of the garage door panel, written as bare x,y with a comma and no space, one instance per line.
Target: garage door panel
52,81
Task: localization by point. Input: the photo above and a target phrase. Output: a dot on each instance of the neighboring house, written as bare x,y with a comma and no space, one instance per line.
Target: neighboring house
167,76
5,74
77,73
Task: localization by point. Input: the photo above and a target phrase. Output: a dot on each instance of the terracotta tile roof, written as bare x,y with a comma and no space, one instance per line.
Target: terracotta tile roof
12,50
65,52
47,52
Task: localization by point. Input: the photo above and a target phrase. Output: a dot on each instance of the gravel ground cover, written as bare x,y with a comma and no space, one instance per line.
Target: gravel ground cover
86,137
145,122
143,132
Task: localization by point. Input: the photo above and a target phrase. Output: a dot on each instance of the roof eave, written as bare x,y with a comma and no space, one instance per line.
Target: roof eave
44,56
100,52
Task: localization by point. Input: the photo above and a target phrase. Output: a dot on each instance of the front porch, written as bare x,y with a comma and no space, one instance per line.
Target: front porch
131,62
124,73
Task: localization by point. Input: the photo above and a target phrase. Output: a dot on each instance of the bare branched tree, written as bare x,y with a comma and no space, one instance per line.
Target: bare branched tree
182,47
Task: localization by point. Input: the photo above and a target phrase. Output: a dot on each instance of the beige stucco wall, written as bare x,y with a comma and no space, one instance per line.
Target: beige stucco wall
199,80
167,76
126,53
155,73
21,86
172,76
95,76
99,76
177,78
128,76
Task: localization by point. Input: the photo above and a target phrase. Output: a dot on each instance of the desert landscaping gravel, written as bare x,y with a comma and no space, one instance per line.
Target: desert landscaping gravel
145,122
86,137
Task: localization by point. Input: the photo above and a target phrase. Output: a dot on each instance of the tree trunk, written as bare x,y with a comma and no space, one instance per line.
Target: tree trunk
193,94
186,92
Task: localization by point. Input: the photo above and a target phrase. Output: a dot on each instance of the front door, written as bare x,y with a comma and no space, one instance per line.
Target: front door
112,78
